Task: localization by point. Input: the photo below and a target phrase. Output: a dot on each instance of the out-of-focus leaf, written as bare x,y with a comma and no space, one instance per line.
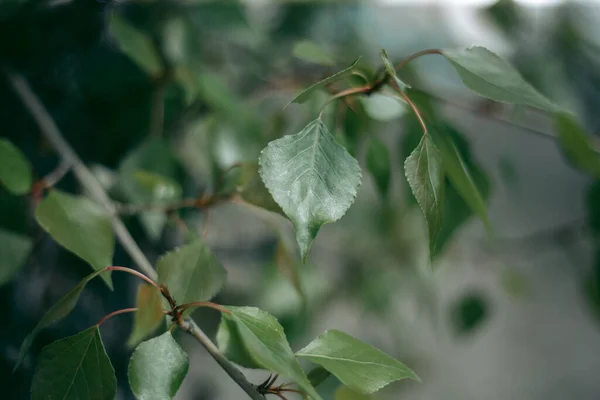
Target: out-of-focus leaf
354,124
593,207
389,67
157,368
490,76
425,175
591,285
318,375
305,94
15,171
75,367
312,52
14,250
148,316
147,177
265,341
382,108
508,172
514,283
58,311
505,14
312,178
191,272
345,393
576,145
253,190
468,313
379,165
80,226
356,364
135,44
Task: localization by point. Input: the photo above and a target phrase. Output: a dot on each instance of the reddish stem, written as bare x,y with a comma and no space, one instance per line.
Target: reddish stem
208,304
414,108
132,272
112,314
344,93
403,63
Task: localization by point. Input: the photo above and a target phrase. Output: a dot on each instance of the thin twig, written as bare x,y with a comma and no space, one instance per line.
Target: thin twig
207,304
408,59
51,132
344,93
133,272
414,108
112,314
55,176
134,209
190,326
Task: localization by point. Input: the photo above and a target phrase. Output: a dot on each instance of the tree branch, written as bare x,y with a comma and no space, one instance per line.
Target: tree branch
51,132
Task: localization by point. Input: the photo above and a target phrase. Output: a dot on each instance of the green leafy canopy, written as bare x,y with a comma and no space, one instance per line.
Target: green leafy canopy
312,178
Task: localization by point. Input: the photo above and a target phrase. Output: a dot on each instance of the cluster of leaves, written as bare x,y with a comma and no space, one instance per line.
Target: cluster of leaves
309,177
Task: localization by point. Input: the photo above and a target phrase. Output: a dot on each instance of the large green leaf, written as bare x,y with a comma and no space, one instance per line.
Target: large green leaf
61,309
15,171
425,175
232,346
460,176
157,368
149,314
135,44
312,178
76,367
356,364
191,273
345,393
266,344
305,94
490,76
14,250
379,165
147,177
312,52
576,145
79,225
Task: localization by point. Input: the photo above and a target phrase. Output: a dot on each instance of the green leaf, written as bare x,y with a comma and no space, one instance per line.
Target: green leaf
468,313
58,311
312,52
312,178
356,364
147,176
76,367
157,368
135,44
345,393
149,314
389,67
490,76
305,94
266,344
191,272
378,164
15,171
459,175
232,346
318,375
80,226
424,172
593,208
576,145
382,108
14,250
253,190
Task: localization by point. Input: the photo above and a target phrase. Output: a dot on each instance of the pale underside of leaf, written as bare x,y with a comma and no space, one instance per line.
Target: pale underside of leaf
312,178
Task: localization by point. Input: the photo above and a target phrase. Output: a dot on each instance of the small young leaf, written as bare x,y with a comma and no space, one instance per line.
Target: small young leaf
14,250
135,44
378,164
312,52
425,175
305,94
75,367
490,76
80,226
191,272
312,178
576,145
265,341
15,171
58,311
148,316
389,67
356,364
459,175
232,346
157,368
